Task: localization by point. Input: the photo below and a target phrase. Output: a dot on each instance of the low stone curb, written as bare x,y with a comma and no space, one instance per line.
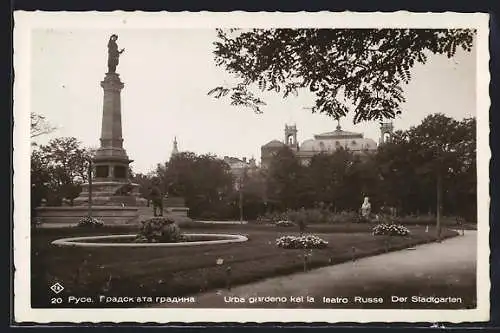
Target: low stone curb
77,241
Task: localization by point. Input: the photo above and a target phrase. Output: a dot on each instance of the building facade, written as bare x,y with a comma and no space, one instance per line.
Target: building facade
239,167
328,143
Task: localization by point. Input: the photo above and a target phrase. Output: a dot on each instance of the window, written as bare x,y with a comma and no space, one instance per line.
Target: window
322,146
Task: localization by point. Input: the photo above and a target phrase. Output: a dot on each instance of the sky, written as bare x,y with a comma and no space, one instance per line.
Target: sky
167,74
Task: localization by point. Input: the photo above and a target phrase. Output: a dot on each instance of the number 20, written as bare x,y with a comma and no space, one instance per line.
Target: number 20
56,300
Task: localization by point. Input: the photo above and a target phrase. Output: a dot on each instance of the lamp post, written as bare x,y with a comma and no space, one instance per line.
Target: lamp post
242,177
89,175
241,199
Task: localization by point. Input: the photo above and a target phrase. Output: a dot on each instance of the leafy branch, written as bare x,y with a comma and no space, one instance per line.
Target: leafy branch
363,69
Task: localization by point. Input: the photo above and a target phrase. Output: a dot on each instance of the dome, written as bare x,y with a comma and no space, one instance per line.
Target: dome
273,144
308,145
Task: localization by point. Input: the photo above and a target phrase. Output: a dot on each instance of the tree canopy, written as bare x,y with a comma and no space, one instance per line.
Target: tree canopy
57,170
363,69
203,180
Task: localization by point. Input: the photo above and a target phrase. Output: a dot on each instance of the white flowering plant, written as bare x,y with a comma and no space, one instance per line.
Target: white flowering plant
90,221
301,242
159,229
284,224
387,229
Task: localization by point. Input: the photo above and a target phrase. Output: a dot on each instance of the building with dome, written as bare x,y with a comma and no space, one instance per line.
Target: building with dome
326,143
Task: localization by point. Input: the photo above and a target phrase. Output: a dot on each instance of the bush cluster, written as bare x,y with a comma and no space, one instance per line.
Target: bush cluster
301,242
309,216
90,222
386,229
284,224
159,230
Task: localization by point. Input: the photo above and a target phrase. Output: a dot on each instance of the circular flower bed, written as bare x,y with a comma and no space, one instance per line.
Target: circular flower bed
130,241
385,229
301,242
90,222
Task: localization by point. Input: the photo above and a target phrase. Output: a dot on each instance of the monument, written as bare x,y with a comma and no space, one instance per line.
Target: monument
114,198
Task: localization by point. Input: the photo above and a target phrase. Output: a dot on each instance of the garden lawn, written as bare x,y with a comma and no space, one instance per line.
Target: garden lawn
188,270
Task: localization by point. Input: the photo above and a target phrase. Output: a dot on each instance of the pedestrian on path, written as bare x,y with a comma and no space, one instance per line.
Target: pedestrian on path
156,198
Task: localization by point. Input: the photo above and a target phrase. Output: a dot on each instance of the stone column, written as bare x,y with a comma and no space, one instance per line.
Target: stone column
111,161
111,131
111,152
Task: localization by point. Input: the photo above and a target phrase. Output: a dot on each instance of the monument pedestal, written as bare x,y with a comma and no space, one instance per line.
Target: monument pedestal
110,185
110,215
115,199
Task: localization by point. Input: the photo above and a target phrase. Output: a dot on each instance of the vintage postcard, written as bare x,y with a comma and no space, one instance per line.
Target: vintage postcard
251,167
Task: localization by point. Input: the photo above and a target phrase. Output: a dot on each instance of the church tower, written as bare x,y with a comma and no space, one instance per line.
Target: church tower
175,150
386,131
291,136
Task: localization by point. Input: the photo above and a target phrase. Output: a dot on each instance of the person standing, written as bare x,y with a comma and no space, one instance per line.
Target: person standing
156,198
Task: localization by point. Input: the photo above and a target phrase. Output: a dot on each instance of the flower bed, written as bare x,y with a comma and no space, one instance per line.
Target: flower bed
284,224
90,222
387,229
301,242
159,229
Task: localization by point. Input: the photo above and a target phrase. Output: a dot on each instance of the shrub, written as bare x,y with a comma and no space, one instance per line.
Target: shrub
263,219
90,222
390,230
310,216
159,229
301,242
272,217
343,217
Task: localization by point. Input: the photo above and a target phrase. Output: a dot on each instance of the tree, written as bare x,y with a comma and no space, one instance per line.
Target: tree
204,181
145,183
446,150
365,68
40,126
60,167
284,180
40,178
253,194
399,185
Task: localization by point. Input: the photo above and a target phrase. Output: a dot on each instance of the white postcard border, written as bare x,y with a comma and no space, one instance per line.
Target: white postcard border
25,22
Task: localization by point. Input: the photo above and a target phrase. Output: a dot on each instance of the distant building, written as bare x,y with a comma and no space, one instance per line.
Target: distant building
327,143
240,166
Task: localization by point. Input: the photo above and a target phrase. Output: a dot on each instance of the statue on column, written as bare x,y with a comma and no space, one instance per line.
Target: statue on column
113,54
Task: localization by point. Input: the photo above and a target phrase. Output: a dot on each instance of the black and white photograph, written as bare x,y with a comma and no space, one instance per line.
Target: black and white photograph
184,167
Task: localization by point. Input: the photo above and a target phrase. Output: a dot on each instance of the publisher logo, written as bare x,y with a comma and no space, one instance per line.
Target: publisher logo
57,288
